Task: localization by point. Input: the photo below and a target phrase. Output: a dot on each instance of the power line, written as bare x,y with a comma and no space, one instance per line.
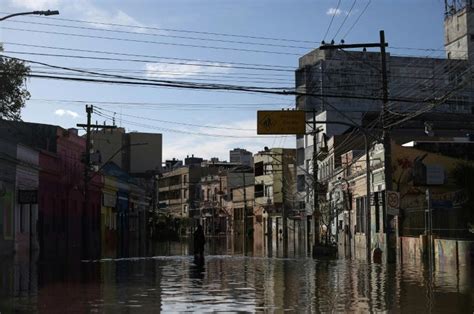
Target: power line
160,35
145,61
182,83
332,18
111,118
179,123
180,30
190,85
345,19
190,79
357,20
153,42
224,63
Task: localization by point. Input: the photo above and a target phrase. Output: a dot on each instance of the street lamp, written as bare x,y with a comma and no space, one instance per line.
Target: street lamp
44,13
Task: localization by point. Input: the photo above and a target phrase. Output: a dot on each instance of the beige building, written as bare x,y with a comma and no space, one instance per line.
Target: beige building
275,188
179,190
137,153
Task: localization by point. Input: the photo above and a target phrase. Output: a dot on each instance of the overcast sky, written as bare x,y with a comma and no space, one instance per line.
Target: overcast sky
181,30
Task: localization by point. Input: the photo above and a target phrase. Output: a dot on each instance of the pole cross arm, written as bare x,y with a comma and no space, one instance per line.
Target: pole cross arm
366,45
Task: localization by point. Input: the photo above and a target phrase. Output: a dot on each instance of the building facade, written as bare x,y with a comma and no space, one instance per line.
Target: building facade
241,156
135,152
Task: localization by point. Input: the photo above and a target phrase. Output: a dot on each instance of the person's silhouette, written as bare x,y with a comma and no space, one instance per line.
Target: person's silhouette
199,241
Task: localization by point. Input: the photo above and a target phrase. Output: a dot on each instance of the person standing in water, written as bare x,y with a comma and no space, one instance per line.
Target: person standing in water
199,241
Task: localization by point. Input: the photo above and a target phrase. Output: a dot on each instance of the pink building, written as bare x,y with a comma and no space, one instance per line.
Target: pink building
67,229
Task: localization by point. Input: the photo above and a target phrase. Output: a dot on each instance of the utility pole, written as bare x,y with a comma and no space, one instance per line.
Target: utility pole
315,186
87,164
386,137
245,215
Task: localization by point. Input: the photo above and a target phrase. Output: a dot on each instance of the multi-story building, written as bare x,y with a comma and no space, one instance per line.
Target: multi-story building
135,152
241,156
213,203
65,225
275,187
240,198
346,87
179,189
424,179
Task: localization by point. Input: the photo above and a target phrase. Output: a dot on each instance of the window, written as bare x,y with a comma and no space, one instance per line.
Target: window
360,214
22,218
208,194
377,211
302,205
267,169
214,196
185,179
231,194
384,212
300,183
268,190
258,190
300,156
259,169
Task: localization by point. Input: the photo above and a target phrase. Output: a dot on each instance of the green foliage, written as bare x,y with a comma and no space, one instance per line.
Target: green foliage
13,92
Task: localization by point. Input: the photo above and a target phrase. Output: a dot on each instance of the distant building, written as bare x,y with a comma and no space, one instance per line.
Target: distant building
135,152
188,161
275,187
241,156
179,188
172,164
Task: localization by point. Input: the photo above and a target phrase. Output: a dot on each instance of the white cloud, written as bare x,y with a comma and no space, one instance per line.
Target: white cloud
36,4
178,146
91,12
83,10
64,112
333,11
174,71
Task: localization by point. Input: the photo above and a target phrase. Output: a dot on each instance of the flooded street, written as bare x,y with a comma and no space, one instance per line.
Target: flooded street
168,280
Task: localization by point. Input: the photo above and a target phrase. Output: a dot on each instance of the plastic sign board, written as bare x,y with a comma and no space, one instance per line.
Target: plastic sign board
281,122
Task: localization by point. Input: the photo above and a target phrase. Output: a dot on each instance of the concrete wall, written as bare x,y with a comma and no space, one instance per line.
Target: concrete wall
447,253
7,197
108,143
145,157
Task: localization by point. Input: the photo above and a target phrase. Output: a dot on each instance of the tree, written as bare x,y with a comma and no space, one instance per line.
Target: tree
13,92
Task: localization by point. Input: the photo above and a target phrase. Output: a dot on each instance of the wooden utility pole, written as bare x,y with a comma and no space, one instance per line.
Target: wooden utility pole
87,229
386,137
315,185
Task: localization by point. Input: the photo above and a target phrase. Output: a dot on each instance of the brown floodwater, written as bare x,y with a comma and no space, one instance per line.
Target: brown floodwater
169,280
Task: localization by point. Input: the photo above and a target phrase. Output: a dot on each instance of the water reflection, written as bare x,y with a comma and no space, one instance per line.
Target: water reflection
229,279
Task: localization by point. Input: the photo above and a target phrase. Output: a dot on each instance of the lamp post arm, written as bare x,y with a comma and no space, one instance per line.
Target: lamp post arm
45,13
